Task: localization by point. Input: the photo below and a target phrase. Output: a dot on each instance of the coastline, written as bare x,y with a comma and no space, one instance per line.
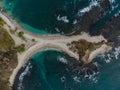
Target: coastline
103,49
43,41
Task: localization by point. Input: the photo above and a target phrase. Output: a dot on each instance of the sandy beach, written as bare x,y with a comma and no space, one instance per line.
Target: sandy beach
104,48
57,42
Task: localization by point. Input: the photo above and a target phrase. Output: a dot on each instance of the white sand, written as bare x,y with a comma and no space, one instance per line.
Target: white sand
8,22
104,48
27,54
58,42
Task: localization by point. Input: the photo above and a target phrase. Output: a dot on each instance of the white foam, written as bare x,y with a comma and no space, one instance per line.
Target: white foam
107,61
62,59
117,14
112,1
77,79
57,29
117,52
95,80
86,76
113,55
75,21
95,63
92,77
63,18
21,77
88,8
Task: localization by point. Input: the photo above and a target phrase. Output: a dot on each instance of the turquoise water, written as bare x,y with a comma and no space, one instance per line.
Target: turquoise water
55,16
45,70
42,14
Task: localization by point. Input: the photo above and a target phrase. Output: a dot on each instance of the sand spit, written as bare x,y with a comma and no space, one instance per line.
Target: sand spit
104,48
57,42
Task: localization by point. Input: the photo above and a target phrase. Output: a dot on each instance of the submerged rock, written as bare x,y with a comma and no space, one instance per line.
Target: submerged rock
111,30
75,68
88,19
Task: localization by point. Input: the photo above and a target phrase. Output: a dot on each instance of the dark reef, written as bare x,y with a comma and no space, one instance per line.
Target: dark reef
88,21
109,29
76,68
91,22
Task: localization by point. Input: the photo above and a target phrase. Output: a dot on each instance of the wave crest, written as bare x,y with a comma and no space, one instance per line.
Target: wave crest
22,75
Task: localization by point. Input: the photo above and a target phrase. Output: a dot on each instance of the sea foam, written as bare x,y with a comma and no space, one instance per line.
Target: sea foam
88,8
112,55
63,18
62,59
21,77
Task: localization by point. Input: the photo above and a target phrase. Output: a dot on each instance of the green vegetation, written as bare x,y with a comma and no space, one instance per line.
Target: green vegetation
20,48
8,61
5,40
81,47
8,57
3,85
1,22
33,40
20,34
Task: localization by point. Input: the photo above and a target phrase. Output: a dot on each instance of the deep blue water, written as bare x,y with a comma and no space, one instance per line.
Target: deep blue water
55,16
42,14
44,72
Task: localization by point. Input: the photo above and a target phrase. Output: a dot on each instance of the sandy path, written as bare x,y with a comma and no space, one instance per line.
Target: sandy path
57,42
38,47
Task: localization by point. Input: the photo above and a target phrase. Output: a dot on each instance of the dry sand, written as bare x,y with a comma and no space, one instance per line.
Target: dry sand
58,42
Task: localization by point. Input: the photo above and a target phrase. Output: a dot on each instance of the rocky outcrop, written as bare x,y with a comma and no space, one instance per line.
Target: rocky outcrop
88,19
111,30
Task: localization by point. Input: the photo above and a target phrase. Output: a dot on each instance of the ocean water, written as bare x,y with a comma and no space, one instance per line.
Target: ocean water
48,16
45,70
55,16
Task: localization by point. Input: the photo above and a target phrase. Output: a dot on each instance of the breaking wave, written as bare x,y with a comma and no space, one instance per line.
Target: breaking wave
62,59
22,75
112,55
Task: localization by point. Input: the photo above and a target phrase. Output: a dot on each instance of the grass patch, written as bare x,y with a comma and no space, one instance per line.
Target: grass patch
20,48
20,34
33,40
2,22
8,57
5,40
80,47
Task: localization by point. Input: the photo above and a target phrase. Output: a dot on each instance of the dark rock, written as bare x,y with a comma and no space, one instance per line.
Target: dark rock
111,30
105,4
75,67
87,19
